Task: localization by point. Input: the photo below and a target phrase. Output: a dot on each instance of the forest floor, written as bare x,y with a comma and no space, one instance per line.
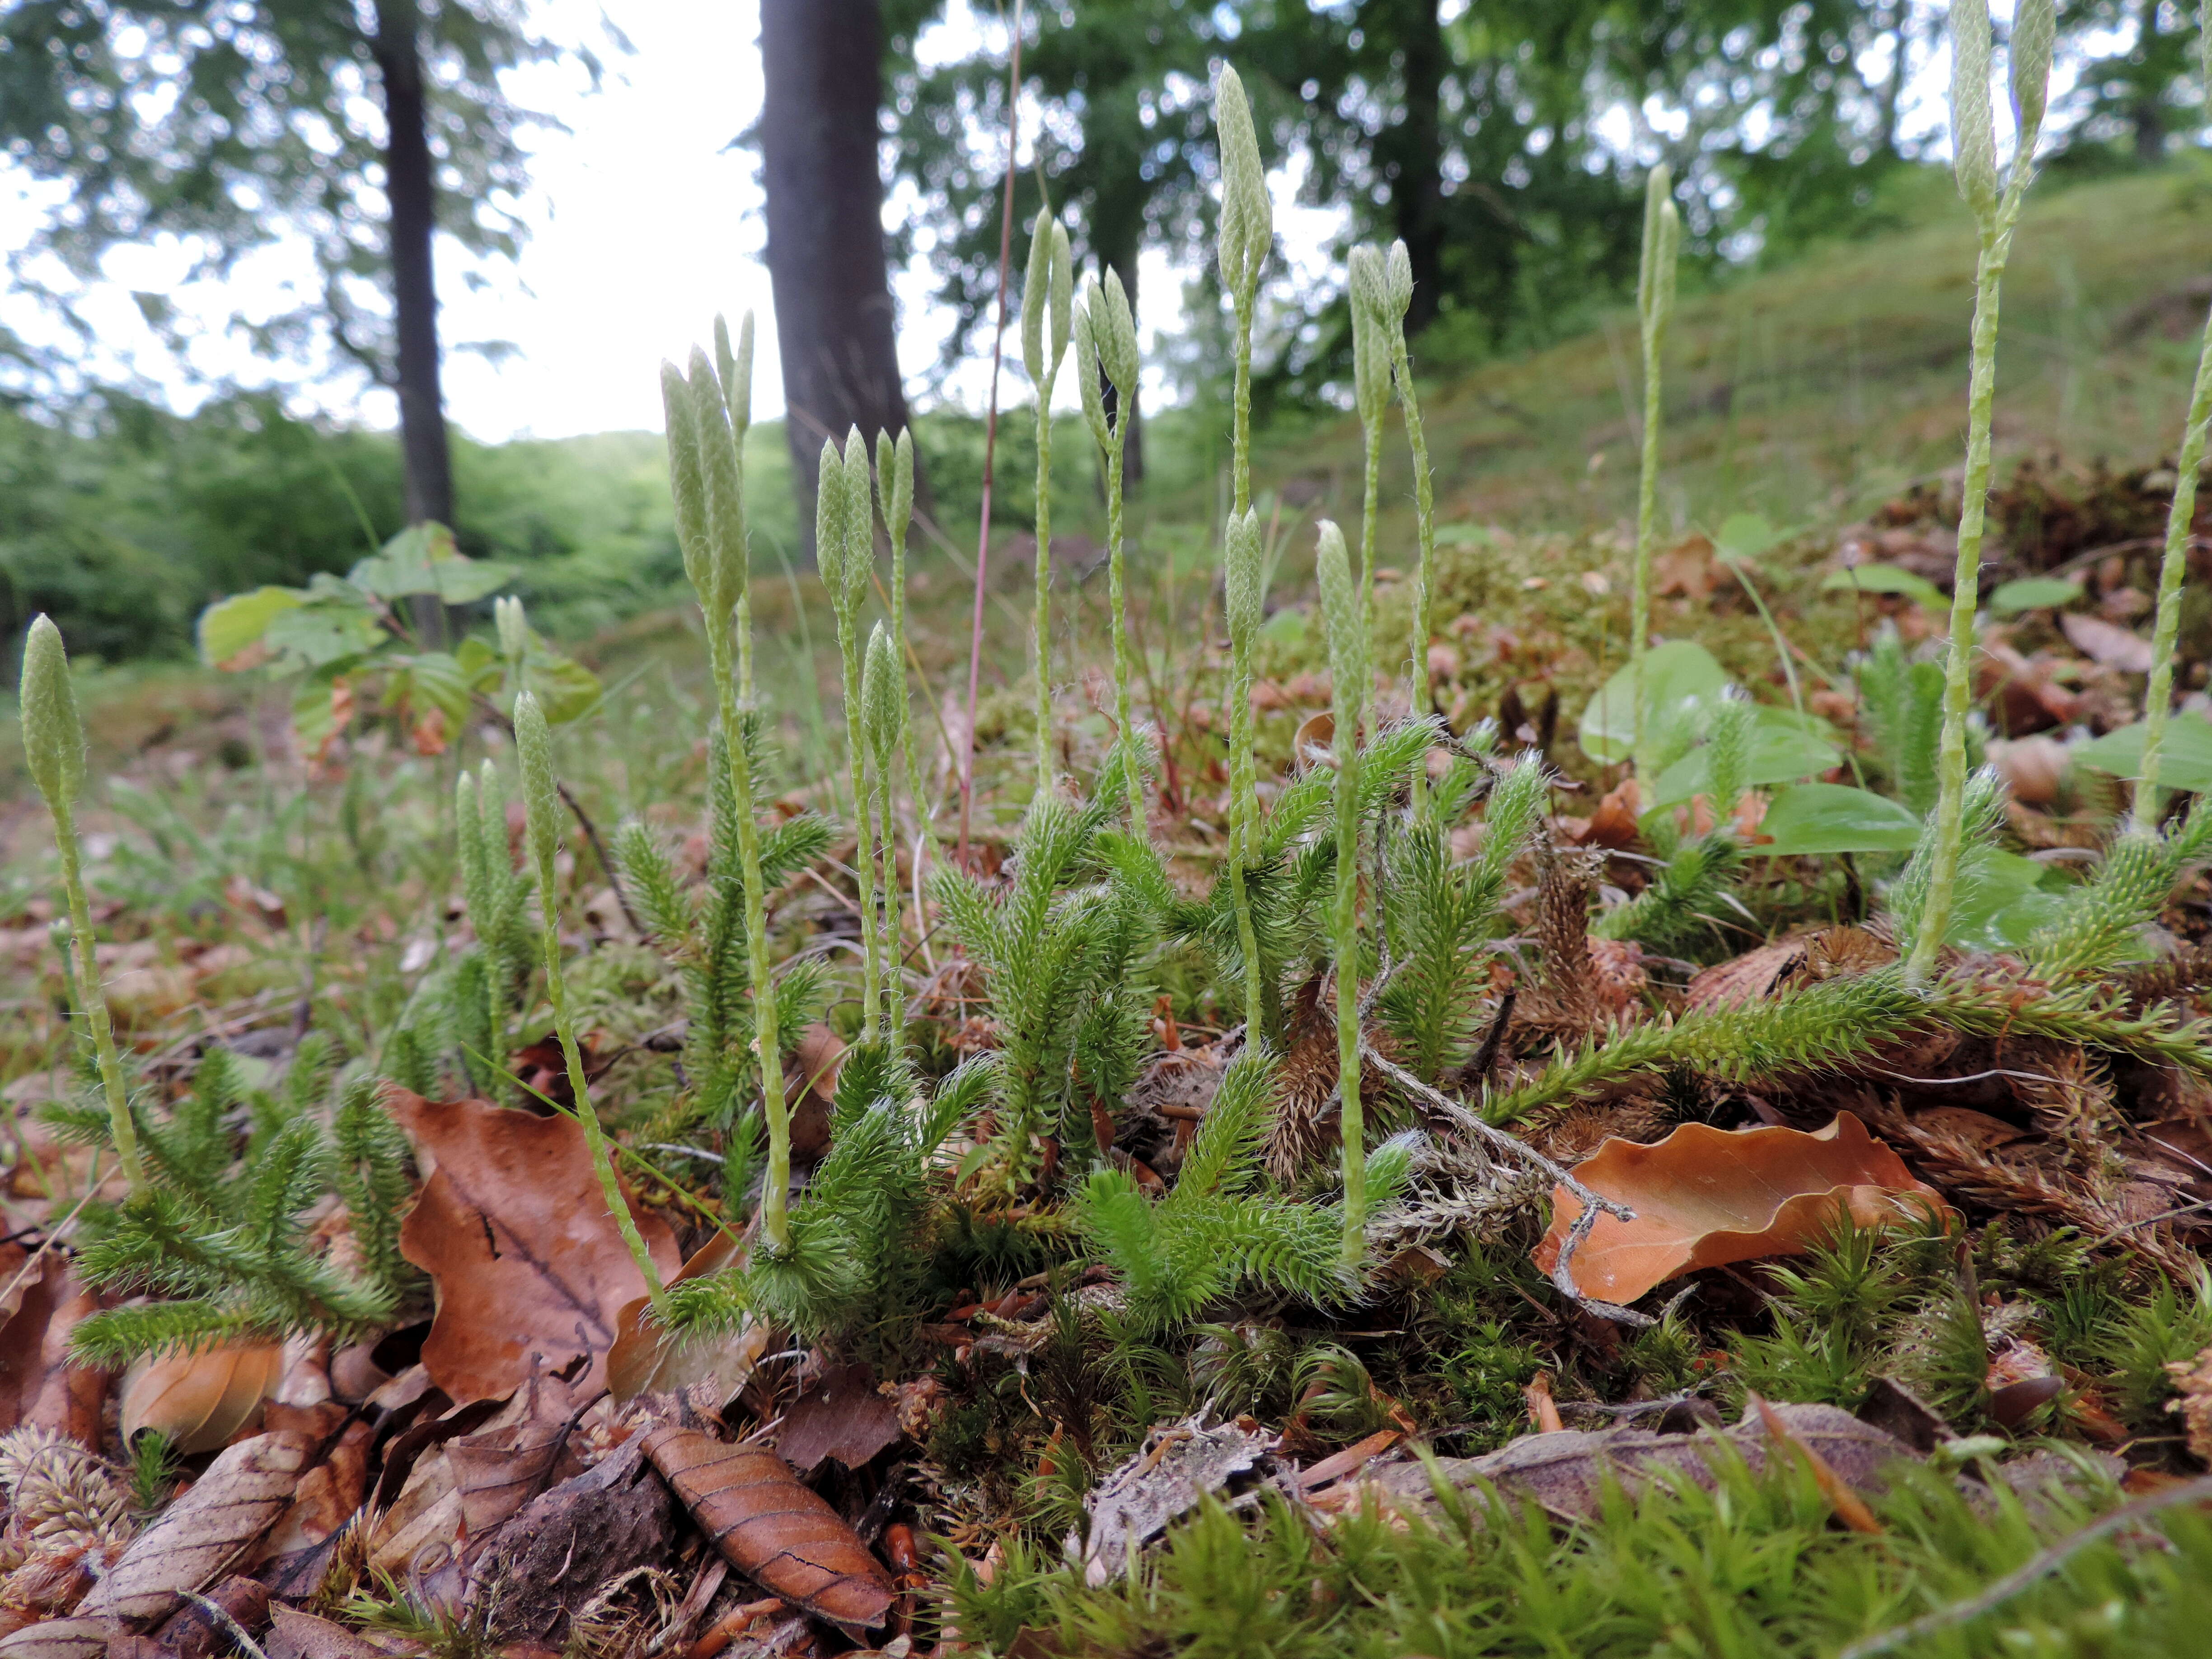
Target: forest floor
1942,1315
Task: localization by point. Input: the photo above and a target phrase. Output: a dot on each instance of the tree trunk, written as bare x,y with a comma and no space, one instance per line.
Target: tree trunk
2146,108
1409,154
409,188
834,319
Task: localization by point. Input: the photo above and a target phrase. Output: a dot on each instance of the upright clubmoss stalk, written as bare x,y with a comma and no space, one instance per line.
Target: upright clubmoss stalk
1654,309
707,481
2175,565
895,498
1106,354
735,371
53,742
845,552
541,807
882,700
1398,297
1245,578
1973,139
1047,299
1346,621
1371,395
1247,236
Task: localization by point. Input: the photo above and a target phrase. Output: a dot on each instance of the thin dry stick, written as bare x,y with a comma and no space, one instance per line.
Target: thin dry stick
1593,1204
2039,1566
991,429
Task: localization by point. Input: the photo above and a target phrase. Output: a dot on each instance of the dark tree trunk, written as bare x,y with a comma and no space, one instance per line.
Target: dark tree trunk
2145,108
410,190
1409,154
834,319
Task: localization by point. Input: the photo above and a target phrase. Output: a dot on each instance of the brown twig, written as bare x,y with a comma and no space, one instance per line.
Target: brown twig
991,426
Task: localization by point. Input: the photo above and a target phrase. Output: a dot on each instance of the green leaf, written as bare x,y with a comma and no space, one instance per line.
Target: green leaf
1886,579
230,626
1745,536
2033,594
480,664
1834,817
1674,672
432,679
1781,751
422,559
1286,628
319,635
2185,759
2001,901
314,721
565,688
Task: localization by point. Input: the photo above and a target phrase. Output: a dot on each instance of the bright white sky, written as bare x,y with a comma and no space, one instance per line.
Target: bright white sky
646,223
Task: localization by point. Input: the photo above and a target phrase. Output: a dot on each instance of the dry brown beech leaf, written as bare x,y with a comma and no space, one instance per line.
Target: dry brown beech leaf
2109,644
1705,1196
198,1398
296,1635
40,1386
840,1418
649,1359
79,1638
771,1528
221,1516
530,1269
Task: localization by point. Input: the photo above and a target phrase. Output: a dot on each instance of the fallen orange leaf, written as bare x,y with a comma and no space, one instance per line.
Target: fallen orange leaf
530,1269
1705,1196
198,1398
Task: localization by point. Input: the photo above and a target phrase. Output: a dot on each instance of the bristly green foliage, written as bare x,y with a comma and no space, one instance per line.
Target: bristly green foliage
702,930
1903,716
1681,911
488,982
1213,1235
218,1235
2104,920
1981,816
1753,1565
1059,962
1439,913
863,1234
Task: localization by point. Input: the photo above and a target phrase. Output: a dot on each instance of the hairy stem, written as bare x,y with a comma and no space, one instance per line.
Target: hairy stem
1424,508
1647,527
863,857
1139,822
120,1124
1043,624
2171,569
1958,692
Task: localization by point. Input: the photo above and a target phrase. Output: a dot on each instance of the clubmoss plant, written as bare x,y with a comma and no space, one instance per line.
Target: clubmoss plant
53,742
1106,352
1997,210
1397,297
2174,566
706,473
895,501
734,369
844,551
1048,301
1654,309
1244,577
541,807
1371,394
495,893
1347,620
1246,236
883,689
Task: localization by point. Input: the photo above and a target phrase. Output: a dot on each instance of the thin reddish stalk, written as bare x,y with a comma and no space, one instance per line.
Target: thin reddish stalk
991,429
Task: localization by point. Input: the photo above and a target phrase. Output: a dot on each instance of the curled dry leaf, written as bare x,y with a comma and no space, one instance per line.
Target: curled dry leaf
530,1268
204,1531
771,1528
296,1635
841,1418
40,1386
198,1398
1705,1196
80,1638
1185,1463
649,1359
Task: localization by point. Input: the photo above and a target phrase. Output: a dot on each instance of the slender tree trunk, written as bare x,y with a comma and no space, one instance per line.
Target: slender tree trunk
833,317
1410,154
2145,108
410,190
